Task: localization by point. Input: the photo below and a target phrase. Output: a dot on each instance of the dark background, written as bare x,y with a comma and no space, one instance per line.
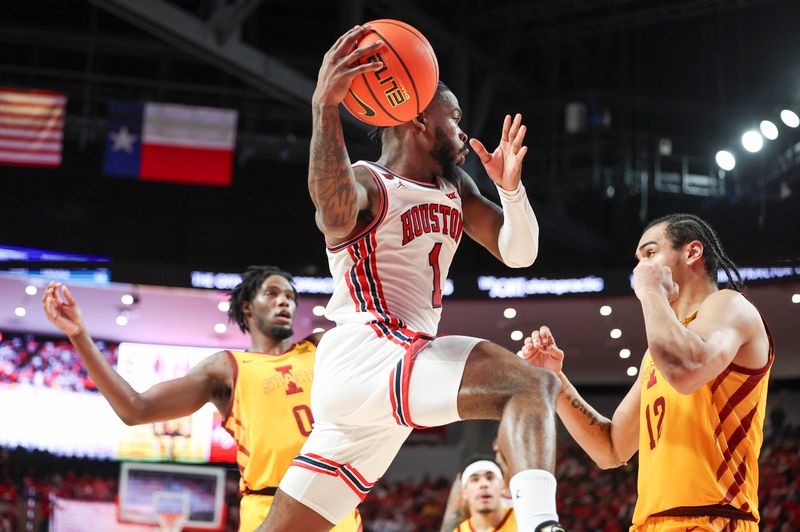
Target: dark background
696,72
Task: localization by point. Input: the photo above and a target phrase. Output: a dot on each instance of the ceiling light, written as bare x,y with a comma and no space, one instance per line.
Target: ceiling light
624,353
510,313
122,321
615,333
31,290
752,141
318,310
20,312
605,310
795,298
790,118
223,306
768,129
726,160
632,371
127,299
220,328
516,335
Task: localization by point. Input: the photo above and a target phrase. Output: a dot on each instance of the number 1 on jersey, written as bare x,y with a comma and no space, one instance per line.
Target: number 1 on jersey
433,260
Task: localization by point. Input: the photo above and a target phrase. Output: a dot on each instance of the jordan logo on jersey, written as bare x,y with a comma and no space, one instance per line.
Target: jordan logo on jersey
287,378
431,218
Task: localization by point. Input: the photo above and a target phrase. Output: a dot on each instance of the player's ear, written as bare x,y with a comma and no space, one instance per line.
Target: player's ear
247,309
420,122
694,252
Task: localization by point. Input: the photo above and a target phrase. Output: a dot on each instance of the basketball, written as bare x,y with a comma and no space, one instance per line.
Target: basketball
404,87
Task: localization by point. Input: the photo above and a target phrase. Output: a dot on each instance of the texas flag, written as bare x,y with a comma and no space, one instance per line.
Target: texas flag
170,142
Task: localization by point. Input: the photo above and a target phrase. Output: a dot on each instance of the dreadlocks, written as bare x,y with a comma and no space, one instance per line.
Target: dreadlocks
375,134
683,228
246,290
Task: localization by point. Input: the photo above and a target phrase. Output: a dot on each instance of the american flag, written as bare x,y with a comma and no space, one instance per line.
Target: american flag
31,127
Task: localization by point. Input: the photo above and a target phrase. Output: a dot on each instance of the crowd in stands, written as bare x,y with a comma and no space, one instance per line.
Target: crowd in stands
47,362
589,499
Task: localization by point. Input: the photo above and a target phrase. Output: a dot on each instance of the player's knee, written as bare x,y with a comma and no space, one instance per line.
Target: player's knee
541,383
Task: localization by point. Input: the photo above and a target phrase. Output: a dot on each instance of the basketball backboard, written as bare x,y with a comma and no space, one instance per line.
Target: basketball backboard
150,491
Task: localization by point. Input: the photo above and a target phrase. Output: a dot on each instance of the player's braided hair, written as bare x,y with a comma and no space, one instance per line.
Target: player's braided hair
682,228
374,134
246,290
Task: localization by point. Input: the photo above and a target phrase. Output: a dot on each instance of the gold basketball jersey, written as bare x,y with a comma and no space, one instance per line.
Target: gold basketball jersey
270,413
698,453
270,419
507,524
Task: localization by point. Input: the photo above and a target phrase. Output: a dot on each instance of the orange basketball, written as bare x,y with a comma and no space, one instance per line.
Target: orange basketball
405,85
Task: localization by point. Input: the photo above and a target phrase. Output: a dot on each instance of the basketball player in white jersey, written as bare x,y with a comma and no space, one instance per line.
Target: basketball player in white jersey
392,228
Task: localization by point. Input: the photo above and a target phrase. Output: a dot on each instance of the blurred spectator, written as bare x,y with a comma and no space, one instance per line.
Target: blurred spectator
48,362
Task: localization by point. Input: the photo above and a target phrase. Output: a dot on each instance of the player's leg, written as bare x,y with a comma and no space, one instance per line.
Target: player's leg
289,514
458,377
496,384
334,472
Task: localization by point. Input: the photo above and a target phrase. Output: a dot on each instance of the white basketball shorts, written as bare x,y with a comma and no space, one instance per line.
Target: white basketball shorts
371,388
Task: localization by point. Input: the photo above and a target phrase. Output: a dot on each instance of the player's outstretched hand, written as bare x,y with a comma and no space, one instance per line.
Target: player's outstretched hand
62,310
540,350
338,66
504,164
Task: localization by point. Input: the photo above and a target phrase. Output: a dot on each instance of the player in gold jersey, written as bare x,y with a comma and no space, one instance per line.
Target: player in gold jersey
696,411
475,503
263,393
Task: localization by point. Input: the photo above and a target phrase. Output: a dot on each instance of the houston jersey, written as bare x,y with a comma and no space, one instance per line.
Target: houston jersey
393,273
698,453
270,414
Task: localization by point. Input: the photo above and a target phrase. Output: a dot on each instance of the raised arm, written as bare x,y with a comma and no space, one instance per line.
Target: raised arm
512,233
208,381
456,509
609,442
335,190
727,329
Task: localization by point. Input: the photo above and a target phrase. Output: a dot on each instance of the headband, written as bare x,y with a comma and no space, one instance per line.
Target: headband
480,465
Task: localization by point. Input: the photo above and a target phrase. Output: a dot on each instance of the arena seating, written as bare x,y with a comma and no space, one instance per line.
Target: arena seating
48,362
589,499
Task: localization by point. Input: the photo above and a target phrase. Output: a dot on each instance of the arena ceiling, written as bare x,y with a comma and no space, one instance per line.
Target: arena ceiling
693,72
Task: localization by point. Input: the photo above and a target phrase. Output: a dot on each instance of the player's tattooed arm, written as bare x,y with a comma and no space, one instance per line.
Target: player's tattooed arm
339,191
335,190
452,519
609,442
576,402
331,182
605,440
456,510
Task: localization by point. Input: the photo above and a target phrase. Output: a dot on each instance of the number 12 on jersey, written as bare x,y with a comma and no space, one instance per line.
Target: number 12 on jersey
659,409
